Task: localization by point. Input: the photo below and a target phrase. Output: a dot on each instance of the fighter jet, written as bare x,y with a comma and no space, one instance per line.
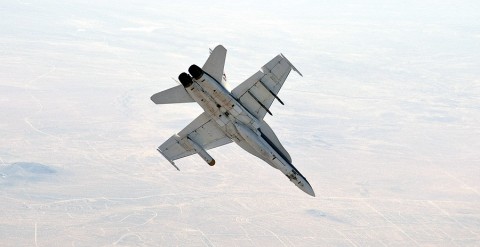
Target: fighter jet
235,115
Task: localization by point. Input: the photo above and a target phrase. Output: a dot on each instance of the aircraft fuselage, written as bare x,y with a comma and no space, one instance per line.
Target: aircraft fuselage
236,122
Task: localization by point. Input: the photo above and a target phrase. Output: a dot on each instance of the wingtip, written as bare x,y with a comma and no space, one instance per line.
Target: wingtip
296,70
173,164
171,161
293,67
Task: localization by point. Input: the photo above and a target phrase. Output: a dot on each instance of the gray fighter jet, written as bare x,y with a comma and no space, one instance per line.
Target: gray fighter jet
231,116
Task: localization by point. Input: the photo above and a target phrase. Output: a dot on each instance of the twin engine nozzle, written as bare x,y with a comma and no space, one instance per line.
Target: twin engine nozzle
186,79
195,71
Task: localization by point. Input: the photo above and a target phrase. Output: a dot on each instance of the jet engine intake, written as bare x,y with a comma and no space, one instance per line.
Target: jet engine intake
185,79
195,71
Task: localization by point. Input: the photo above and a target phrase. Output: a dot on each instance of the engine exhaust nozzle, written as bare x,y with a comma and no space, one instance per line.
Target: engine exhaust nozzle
195,71
185,79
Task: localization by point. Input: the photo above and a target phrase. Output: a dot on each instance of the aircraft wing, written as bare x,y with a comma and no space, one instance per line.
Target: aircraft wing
203,131
259,91
215,63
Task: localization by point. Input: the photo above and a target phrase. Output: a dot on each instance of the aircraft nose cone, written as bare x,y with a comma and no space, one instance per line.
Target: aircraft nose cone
306,187
301,182
309,190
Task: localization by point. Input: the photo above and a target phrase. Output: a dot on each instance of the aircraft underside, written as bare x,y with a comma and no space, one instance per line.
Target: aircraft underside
236,116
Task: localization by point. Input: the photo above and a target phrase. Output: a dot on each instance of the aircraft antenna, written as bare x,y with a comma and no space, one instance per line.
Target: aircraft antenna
176,81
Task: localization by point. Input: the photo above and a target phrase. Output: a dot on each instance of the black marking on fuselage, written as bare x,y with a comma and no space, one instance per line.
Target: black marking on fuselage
214,79
295,171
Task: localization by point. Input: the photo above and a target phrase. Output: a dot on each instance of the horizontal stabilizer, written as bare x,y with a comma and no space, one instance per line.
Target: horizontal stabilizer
171,96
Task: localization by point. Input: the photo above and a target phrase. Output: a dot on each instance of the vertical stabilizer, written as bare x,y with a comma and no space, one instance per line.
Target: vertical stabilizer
215,64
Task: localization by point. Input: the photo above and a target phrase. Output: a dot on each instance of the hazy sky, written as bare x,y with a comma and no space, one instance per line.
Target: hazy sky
384,124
